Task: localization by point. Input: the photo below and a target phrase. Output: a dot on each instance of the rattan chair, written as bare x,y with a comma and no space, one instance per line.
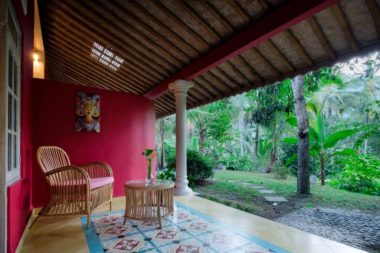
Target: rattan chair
74,190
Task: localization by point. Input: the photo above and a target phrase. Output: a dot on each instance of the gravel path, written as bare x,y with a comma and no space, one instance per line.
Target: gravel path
353,228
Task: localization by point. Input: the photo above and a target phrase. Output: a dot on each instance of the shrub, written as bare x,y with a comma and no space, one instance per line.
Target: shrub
167,174
360,174
288,156
237,162
198,167
281,171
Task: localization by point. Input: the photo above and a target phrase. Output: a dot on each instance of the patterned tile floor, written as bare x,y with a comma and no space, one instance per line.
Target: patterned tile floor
187,231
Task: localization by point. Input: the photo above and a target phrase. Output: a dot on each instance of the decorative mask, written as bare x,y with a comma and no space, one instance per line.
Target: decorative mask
88,113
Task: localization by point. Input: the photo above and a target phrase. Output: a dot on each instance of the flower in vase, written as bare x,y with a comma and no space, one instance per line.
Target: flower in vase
149,154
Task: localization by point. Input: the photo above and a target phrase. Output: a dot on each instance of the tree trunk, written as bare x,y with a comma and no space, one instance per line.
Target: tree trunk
273,150
256,140
241,139
365,151
322,160
201,140
303,173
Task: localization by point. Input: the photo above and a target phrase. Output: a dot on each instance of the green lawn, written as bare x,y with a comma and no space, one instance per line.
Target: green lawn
234,194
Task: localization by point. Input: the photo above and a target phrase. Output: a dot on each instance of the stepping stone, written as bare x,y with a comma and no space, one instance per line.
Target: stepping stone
266,191
275,199
257,187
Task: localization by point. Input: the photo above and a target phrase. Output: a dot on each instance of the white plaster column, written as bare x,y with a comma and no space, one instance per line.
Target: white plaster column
180,88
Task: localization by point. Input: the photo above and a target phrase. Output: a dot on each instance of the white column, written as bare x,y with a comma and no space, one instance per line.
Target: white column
180,88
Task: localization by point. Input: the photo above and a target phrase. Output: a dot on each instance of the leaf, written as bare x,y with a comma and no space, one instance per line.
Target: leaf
371,130
292,121
315,149
313,134
332,139
290,160
291,140
347,152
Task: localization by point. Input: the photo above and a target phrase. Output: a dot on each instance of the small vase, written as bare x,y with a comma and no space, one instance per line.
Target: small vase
149,176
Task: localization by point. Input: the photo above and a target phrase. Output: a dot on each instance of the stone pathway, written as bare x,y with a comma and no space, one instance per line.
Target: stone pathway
357,229
269,195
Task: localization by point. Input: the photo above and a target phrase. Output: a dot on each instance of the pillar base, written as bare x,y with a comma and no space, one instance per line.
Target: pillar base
182,191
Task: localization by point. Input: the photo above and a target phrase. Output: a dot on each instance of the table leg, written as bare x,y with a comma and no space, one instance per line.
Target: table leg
159,200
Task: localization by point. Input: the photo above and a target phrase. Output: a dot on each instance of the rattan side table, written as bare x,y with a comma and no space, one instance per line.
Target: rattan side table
149,201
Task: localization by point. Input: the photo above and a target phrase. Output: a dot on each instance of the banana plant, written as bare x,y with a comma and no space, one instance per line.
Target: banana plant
323,145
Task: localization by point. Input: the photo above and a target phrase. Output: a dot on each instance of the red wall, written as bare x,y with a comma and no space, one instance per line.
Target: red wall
19,197
126,129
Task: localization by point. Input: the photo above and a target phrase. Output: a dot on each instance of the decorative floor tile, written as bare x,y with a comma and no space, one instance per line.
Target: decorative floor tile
187,246
112,231
199,226
108,219
224,240
133,243
187,231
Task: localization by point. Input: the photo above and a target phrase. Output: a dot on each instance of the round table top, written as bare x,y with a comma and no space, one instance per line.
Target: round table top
155,184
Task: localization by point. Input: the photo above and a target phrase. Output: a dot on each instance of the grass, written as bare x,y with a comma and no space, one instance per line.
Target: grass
321,196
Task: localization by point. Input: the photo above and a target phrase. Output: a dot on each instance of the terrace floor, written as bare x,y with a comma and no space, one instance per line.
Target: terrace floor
65,234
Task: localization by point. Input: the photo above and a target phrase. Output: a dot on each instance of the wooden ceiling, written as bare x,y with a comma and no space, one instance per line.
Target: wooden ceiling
157,39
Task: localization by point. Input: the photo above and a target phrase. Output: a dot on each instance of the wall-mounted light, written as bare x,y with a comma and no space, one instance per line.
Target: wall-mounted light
36,56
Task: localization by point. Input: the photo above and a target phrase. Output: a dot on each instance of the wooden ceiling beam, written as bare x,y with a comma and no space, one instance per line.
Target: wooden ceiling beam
79,8
230,82
298,47
87,26
202,23
161,108
128,30
339,15
277,21
258,55
375,14
82,43
195,94
214,90
179,23
280,56
150,19
203,90
238,73
317,30
71,47
248,66
97,79
59,76
71,76
216,15
93,65
134,21
68,72
216,82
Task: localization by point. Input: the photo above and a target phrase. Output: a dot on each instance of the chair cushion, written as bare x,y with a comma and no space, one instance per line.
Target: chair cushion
100,181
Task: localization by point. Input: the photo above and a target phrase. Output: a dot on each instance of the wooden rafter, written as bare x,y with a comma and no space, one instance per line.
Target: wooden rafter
273,23
82,54
375,13
321,37
345,27
298,47
84,27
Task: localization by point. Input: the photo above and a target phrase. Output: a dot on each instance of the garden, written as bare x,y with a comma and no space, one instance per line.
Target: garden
325,154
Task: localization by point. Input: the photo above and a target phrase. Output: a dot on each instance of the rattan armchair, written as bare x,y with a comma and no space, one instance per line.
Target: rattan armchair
74,190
